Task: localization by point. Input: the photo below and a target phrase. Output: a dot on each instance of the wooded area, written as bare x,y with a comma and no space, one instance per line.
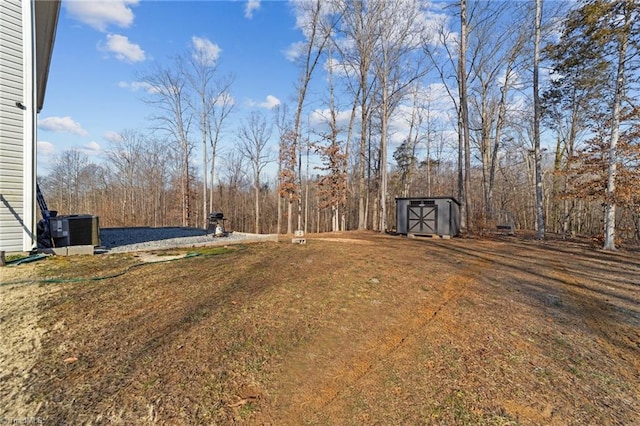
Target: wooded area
521,109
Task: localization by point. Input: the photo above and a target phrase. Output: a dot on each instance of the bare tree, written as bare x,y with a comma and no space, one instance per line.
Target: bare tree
168,95
200,73
358,26
423,129
453,74
212,103
234,180
317,32
126,157
396,67
405,155
332,186
65,180
536,123
254,135
222,104
463,117
494,76
154,172
626,17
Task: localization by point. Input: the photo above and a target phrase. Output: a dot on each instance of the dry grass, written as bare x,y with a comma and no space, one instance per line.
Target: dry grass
350,328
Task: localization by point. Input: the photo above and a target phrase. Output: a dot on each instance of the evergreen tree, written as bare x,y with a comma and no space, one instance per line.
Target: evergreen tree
595,59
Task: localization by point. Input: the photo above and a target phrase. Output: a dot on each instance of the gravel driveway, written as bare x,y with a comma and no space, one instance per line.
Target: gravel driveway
118,240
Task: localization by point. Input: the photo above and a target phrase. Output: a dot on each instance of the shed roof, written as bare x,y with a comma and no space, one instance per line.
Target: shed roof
429,198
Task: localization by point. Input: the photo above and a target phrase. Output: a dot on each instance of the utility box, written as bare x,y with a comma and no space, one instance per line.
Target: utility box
75,230
428,216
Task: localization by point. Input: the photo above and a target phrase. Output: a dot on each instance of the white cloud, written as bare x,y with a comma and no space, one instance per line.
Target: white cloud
101,14
134,86
250,7
46,149
319,119
269,103
205,51
294,51
433,105
225,99
338,67
91,148
62,125
123,48
305,13
112,136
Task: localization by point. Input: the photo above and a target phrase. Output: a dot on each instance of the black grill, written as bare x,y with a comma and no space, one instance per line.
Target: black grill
216,224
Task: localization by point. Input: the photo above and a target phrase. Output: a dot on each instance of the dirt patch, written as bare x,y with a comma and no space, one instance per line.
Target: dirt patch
20,343
155,258
357,328
344,240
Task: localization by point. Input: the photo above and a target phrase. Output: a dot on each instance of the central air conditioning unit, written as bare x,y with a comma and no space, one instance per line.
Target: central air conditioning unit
75,230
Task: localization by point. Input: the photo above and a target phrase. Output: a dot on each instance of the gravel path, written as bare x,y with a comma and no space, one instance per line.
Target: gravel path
119,240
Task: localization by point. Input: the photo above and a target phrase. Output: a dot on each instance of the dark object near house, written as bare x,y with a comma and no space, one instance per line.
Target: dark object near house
43,232
433,216
216,224
64,231
75,230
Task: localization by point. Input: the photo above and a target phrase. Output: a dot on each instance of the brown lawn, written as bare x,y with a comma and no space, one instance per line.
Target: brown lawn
351,328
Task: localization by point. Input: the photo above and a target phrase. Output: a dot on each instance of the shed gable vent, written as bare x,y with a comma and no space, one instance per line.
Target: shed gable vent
422,202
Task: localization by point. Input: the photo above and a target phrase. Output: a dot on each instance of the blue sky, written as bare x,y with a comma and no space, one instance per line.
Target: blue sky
103,47
101,50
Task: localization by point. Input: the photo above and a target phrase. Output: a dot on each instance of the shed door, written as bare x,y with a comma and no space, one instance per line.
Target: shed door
422,219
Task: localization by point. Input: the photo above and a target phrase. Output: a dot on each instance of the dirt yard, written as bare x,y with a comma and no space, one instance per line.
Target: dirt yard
351,328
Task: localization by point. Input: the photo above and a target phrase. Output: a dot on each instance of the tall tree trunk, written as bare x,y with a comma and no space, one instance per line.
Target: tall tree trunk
345,163
610,203
279,213
317,39
464,119
383,156
204,169
502,112
213,141
555,190
186,187
540,225
306,193
257,207
362,184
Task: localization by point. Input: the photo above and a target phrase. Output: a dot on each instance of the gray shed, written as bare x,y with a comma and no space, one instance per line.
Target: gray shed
428,216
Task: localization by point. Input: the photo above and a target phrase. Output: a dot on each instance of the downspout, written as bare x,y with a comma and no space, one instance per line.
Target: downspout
29,109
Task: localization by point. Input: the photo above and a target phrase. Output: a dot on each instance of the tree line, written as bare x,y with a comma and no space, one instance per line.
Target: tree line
523,110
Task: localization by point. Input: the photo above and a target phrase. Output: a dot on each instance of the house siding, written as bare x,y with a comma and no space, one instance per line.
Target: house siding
16,222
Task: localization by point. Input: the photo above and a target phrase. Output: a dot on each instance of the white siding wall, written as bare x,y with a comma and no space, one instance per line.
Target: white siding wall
17,134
